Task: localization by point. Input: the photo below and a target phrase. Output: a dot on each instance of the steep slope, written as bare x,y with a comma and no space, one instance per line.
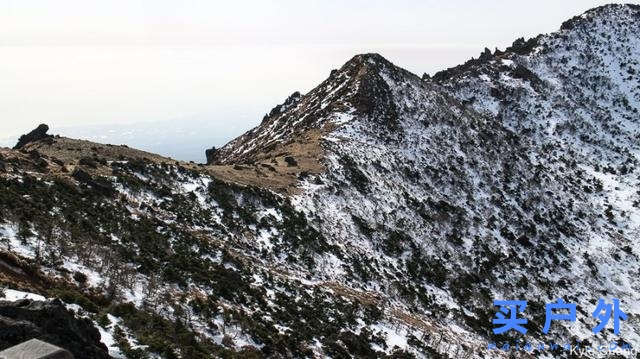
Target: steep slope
379,215
171,262
512,176
355,90
577,87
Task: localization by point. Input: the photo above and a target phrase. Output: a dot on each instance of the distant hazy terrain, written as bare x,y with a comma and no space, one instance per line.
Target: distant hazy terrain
181,139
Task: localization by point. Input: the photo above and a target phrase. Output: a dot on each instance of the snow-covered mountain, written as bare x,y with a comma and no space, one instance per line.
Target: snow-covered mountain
378,215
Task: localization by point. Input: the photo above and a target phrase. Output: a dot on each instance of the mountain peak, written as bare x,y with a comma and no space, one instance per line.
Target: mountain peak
592,30
369,63
368,59
364,218
617,12
357,88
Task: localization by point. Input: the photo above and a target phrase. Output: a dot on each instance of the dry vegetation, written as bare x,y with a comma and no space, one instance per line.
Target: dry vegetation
278,169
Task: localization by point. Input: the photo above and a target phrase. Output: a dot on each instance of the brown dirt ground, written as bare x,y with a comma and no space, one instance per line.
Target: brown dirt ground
270,170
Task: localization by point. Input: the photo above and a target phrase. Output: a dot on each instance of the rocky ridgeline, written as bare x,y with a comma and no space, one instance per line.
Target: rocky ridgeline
512,176
477,177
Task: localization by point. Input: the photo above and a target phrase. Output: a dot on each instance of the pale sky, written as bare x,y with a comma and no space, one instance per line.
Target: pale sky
74,63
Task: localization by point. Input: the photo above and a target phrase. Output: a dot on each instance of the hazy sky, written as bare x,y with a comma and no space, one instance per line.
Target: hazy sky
73,63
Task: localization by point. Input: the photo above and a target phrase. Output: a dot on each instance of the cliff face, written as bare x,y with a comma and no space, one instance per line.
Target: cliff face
379,215
51,322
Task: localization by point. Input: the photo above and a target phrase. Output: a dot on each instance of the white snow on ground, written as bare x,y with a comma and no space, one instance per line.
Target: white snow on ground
440,154
395,337
15,245
12,295
198,186
264,212
136,293
265,236
342,118
106,337
94,279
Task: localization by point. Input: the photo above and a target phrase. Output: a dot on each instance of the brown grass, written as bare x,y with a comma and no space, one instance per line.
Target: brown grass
270,170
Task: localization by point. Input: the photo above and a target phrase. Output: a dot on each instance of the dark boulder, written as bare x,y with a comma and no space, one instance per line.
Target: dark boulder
89,162
38,134
36,349
211,155
82,176
522,47
291,101
523,73
269,167
291,162
485,55
51,322
34,154
42,164
101,185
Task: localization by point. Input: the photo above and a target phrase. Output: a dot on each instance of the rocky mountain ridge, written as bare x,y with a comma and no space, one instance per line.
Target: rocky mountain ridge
525,158
379,215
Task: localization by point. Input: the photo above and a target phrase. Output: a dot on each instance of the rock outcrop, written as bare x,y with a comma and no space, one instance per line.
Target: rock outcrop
211,155
39,133
51,322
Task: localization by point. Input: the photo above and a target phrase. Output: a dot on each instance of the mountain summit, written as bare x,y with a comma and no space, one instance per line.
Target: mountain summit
356,89
453,190
379,215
